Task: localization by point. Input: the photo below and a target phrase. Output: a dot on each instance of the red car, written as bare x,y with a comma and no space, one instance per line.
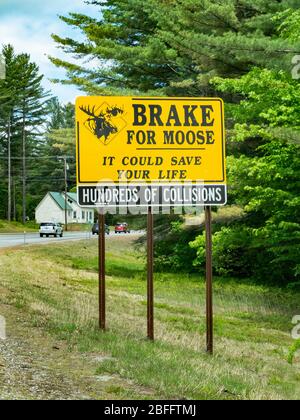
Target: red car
122,228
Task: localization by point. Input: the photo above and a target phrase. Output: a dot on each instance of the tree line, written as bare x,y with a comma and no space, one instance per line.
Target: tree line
36,131
238,49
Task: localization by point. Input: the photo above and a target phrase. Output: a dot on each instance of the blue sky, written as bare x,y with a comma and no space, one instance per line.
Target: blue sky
28,25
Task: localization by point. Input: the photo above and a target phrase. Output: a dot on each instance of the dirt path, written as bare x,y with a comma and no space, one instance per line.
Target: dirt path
35,366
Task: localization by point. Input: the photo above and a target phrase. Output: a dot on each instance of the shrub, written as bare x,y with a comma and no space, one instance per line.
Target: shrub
173,253
270,255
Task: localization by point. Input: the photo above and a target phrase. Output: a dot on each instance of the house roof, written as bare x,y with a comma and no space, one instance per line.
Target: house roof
59,198
73,196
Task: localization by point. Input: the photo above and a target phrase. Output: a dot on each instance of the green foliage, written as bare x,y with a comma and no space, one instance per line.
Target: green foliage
173,47
22,115
231,252
35,133
264,179
60,116
289,24
292,351
59,143
269,97
171,251
268,254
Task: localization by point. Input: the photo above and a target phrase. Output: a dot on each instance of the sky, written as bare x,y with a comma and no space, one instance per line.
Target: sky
28,25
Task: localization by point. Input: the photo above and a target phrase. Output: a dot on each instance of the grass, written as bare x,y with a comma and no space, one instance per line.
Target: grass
17,227
223,216
56,287
79,227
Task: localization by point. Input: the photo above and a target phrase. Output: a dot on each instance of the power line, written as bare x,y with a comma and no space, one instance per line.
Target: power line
19,182
50,180
38,157
29,178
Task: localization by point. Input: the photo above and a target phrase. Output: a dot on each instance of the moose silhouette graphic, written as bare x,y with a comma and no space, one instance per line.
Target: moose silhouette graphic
101,123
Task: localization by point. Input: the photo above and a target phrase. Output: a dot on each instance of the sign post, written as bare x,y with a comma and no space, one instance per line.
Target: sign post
209,282
150,275
147,153
102,292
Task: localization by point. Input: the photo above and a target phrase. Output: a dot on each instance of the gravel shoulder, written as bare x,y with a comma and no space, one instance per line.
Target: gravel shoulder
34,366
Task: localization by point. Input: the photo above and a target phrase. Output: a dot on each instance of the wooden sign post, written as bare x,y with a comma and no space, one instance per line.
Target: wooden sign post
209,282
150,275
102,291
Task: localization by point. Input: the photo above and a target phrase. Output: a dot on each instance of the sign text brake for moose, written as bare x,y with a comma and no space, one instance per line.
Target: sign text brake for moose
150,140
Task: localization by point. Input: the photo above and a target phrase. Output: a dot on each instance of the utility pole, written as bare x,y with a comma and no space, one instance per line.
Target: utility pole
66,193
24,167
9,170
14,200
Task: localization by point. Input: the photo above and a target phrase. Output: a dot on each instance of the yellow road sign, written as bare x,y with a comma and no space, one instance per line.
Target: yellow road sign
133,140
125,144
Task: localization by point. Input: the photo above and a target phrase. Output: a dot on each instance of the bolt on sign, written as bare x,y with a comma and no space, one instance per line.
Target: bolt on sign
150,151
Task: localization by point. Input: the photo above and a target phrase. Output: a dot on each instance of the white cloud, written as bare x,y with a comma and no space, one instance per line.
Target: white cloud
38,7
28,27
30,36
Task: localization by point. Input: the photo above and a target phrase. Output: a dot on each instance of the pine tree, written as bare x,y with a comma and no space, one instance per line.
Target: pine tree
7,103
31,111
59,143
55,113
21,120
173,46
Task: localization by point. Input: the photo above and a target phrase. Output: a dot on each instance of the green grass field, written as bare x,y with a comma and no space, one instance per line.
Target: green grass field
17,227
55,289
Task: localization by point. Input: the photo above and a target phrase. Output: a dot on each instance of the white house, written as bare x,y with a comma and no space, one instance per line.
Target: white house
52,209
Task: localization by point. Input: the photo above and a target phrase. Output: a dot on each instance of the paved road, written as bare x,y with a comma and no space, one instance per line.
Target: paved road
12,240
